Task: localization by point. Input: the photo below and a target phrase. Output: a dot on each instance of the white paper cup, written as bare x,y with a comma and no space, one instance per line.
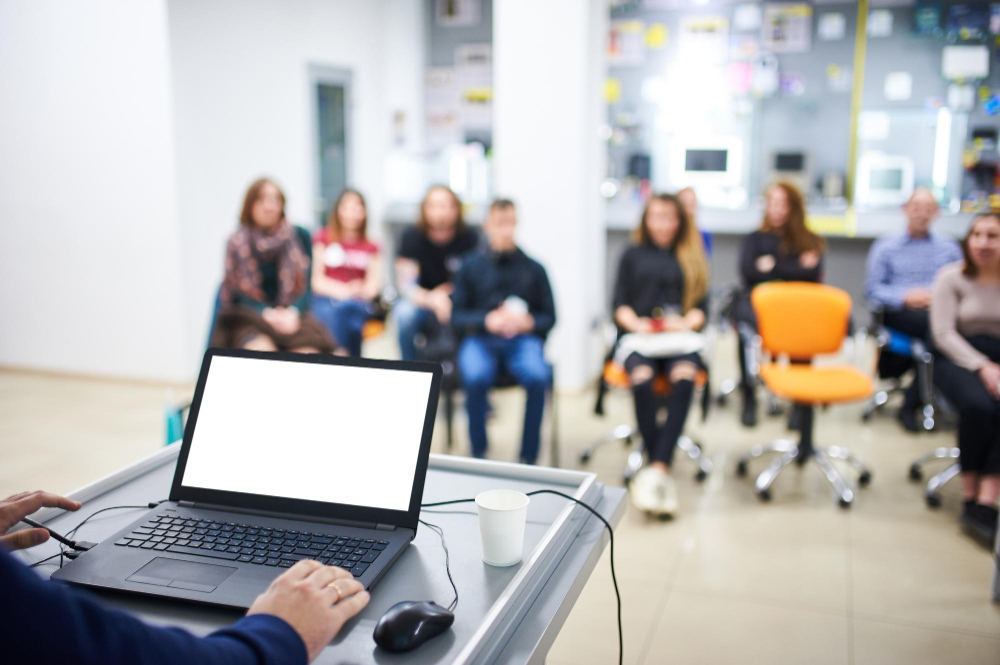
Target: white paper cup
502,516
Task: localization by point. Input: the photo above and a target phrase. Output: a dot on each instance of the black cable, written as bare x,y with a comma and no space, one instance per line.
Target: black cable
48,558
72,531
69,534
447,562
611,534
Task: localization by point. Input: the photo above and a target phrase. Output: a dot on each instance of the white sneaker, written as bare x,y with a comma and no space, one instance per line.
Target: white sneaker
666,494
642,490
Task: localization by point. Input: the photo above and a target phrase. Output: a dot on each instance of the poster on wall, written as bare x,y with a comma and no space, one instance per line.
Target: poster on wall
454,13
832,27
927,19
474,78
704,39
443,108
787,27
968,21
880,23
626,43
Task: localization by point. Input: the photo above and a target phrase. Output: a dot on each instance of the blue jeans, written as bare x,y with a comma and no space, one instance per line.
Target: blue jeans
479,359
411,321
345,319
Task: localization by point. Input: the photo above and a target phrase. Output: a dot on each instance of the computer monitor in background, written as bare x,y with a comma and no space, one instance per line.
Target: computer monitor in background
715,162
791,166
884,181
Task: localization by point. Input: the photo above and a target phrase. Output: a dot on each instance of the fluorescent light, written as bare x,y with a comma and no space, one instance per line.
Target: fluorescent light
942,144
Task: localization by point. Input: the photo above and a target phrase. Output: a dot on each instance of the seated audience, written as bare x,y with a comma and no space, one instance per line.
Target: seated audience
965,323
345,271
264,299
429,256
662,286
901,271
48,622
503,307
782,249
689,200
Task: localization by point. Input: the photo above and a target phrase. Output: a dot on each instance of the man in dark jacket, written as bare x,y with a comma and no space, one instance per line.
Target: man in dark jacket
503,307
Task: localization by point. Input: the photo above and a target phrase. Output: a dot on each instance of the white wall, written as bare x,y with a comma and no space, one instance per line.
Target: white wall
89,244
548,159
244,109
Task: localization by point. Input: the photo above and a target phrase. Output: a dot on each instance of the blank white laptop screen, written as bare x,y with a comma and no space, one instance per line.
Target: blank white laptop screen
309,431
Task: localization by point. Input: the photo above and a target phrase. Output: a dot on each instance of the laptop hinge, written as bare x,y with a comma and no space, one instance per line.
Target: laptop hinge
291,516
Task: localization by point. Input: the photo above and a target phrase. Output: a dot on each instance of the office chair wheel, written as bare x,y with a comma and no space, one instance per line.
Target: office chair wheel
741,469
765,495
722,399
585,457
916,475
701,475
867,415
933,501
865,478
844,503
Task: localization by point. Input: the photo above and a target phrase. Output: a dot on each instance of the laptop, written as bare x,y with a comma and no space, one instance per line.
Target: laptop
285,457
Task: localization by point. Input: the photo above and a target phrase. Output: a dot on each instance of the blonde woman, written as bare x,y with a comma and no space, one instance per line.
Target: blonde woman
662,286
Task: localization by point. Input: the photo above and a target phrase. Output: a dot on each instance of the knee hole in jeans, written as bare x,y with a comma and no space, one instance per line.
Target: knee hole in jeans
641,374
683,372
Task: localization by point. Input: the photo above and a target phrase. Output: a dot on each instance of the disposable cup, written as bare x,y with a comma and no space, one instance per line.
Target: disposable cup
502,516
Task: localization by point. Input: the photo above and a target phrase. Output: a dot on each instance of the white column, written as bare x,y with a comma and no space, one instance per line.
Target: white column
548,74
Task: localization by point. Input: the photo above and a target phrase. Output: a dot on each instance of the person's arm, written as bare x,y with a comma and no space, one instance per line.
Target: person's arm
944,324
47,622
749,253
373,279
466,317
544,314
878,290
789,268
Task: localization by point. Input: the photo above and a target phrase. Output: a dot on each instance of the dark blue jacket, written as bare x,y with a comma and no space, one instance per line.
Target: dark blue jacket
47,622
488,278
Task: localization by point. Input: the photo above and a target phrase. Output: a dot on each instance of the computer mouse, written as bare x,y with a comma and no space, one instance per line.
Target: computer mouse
409,624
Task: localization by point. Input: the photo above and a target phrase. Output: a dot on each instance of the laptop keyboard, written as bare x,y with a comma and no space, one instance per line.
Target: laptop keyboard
247,543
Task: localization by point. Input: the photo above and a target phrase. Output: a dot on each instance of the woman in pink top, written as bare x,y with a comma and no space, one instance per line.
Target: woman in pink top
965,324
345,271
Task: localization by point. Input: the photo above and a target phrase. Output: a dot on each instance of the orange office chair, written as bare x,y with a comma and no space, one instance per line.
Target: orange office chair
800,321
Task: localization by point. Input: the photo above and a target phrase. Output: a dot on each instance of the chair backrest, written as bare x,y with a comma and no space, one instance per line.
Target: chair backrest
801,319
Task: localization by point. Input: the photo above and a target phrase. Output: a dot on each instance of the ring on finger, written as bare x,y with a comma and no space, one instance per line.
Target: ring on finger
340,594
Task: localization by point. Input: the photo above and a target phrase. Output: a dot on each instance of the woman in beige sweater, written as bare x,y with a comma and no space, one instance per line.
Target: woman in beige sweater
965,324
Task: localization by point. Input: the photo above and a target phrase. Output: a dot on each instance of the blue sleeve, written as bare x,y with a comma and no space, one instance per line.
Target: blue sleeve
47,622
878,289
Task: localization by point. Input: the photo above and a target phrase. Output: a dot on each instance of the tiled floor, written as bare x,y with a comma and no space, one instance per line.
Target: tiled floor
797,580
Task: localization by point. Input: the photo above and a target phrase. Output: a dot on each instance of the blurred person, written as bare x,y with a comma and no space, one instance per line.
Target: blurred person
900,273
503,307
662,286
47,622
782,249
965,325
430,254
264,299
346,271
689,200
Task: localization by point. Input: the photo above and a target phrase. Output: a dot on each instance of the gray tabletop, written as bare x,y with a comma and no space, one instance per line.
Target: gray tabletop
537,612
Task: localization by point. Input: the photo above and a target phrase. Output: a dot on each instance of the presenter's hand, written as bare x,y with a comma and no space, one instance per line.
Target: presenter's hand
306,599
13,508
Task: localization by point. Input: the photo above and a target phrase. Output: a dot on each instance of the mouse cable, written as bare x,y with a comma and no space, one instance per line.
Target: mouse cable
447,561
78,547
611,535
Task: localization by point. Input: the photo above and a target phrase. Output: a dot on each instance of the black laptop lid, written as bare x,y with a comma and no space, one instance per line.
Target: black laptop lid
310,435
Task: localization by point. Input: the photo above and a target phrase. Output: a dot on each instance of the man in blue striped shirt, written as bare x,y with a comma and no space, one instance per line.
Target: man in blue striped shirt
901,270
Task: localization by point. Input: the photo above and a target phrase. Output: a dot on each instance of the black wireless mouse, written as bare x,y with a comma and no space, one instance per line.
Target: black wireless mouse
409,624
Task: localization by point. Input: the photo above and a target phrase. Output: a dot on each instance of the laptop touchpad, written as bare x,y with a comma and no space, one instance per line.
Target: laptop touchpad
182,574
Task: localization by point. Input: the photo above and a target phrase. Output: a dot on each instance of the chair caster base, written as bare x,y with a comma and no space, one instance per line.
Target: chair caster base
765,495
701,476
741,469
864,479
585,457
844,503
933,501
916,475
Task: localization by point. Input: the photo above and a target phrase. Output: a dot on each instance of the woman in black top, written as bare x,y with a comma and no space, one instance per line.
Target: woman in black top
429,256
782,249
662,285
